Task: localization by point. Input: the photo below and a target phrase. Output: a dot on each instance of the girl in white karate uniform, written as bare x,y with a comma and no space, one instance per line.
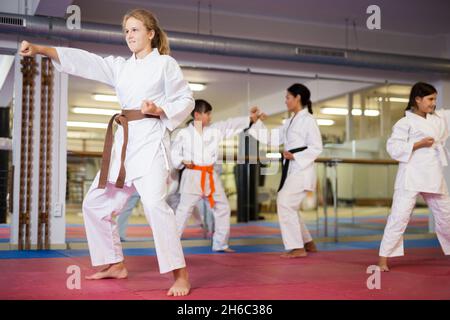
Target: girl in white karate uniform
418,143
154,97
299,131
196,148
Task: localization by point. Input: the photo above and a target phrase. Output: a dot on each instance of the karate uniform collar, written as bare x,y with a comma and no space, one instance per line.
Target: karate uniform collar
192,127
303,112
300,114
410,114
153,53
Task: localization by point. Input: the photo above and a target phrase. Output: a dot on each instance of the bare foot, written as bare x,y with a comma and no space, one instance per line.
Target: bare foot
382,263
113,271
102,269
295,253
227,250
310,246
181,286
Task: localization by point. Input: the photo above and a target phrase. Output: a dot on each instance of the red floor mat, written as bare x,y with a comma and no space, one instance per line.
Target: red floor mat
422,274
4,233
145,232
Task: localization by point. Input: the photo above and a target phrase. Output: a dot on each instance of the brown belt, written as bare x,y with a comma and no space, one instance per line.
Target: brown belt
122,119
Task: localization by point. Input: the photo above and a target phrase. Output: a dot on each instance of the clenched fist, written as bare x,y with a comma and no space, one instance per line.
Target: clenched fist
255,114
424,143
188,164
148,107
288,155
28,49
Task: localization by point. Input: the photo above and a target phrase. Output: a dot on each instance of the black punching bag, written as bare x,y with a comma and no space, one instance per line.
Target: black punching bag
246,175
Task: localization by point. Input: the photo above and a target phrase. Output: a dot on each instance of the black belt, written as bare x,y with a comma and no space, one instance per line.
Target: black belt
285,165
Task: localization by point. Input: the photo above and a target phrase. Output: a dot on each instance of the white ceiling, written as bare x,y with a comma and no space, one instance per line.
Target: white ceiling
405,16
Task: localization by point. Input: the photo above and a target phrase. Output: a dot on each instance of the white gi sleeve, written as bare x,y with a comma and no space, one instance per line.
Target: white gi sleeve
177,150
88,65
398,145
231,127
274,137
179,101
314,143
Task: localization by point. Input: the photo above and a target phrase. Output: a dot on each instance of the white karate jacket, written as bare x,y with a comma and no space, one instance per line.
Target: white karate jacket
202,150
157,78
299,130
420,170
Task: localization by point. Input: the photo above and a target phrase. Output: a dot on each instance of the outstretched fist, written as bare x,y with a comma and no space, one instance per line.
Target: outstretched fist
27,49
262,116
254,111
256,114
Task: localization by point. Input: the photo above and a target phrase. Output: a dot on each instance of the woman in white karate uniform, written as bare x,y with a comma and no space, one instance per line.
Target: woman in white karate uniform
154,97
418,143
196,148
299,131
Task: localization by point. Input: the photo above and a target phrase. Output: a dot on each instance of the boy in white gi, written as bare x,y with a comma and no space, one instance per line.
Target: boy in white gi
302,142
418,143
196,148
154,97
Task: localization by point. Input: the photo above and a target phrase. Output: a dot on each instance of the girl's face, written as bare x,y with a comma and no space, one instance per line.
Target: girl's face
426,104
292,103
137,36
204,117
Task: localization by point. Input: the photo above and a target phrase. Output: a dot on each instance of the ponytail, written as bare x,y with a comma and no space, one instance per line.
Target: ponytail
305,95
309,105
161,41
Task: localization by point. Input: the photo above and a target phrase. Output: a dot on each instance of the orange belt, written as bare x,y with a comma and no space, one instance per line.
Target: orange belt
122,119
210,171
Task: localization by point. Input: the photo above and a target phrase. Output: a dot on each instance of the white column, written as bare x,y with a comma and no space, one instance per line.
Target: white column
16,138
59,158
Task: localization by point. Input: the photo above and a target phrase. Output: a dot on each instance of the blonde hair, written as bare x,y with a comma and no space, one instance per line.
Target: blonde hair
160,40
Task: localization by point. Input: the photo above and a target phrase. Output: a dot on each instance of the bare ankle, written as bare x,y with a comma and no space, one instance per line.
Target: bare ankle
118,265
382,264
180,274
383,260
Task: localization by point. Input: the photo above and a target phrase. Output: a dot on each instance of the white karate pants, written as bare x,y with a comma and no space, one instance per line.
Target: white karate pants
402,208
101,205
221,213
293,229
125,214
